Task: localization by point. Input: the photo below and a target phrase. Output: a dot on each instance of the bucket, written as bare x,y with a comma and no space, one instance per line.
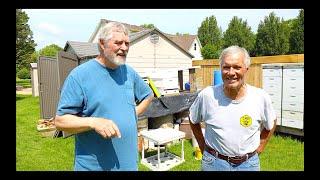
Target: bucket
217,78
187,86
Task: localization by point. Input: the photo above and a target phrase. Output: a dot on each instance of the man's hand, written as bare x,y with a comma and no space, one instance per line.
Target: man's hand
106,128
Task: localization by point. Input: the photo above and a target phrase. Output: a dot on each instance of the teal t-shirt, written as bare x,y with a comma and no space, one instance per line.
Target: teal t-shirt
92,90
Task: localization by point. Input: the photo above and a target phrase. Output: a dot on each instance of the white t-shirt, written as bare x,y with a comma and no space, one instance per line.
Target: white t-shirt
233,126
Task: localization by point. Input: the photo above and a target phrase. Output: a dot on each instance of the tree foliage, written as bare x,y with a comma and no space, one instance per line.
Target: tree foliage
148,26
25,45
24,73
210,51
209,32
272,36
50,50
297,34
239,33
182,34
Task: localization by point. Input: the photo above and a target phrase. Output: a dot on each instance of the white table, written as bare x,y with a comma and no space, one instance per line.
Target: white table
159,137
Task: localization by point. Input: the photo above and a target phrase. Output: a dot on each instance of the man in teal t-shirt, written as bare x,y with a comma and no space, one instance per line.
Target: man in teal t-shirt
98,105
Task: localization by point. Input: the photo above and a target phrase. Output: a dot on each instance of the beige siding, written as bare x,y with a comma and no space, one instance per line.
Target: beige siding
144,57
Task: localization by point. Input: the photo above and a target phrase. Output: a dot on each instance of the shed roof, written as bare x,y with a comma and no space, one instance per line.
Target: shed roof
83,49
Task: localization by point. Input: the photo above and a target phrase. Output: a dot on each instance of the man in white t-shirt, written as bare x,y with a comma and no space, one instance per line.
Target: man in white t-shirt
239,118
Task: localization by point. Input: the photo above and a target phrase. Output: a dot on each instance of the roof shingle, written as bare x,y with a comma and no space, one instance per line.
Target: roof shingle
184,41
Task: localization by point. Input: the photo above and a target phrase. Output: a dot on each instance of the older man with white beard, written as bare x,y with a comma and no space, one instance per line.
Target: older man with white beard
98,105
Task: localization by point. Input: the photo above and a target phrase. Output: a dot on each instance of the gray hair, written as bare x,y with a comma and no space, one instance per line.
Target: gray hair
106,32
235,50
108,29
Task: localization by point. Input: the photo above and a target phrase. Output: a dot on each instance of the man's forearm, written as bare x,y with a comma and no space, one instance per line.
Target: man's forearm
142,107
265,136
73,124
197,131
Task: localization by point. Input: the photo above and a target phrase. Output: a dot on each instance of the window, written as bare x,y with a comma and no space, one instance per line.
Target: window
195,46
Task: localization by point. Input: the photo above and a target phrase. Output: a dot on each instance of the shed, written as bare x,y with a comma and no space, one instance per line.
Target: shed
48,86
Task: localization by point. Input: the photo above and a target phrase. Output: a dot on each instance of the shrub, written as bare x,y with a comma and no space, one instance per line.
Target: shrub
24,74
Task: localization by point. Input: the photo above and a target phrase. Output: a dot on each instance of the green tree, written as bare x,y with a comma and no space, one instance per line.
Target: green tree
239,33
272,36
182,34
24,73
25,45
148,26
50,50
210,51
297,34
209,32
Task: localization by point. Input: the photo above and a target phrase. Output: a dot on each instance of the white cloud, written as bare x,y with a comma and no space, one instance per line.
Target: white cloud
50,28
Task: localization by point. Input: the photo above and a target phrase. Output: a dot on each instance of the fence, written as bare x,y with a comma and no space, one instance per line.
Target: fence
203,76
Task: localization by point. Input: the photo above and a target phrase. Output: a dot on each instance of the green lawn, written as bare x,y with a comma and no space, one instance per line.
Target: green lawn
26,83
34,152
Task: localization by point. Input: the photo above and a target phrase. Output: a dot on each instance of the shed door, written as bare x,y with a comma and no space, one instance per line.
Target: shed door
48,86
67,62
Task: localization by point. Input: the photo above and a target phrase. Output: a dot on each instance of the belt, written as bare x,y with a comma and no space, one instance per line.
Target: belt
232,159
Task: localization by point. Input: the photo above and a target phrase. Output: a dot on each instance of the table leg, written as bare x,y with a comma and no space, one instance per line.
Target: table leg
182,151
165,150
159,156
142,152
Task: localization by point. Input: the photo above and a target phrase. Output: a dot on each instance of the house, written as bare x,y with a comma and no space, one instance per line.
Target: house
189,43
151,53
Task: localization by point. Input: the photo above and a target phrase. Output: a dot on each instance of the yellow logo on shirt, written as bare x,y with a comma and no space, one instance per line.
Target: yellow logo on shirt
246,121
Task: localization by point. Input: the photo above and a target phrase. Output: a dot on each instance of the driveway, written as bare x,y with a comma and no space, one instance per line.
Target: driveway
25,91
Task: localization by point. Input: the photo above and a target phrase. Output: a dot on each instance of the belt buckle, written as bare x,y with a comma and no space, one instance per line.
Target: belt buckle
237,158
230,157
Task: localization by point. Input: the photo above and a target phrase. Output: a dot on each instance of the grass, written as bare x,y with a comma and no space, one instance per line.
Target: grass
34,152
283,153
25,83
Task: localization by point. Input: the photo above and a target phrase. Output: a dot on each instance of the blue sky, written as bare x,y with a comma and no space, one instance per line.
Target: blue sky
57,26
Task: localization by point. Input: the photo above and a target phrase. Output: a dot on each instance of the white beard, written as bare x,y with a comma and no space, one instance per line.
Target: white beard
115,60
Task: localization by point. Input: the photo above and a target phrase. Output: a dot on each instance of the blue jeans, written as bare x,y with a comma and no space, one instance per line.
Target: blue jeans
212,163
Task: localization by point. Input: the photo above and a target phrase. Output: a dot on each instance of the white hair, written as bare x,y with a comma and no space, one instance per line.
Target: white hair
235,50
106,32
108,29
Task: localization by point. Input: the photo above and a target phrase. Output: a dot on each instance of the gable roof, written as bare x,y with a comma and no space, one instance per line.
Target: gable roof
88,49
131,28
135,36
185,41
